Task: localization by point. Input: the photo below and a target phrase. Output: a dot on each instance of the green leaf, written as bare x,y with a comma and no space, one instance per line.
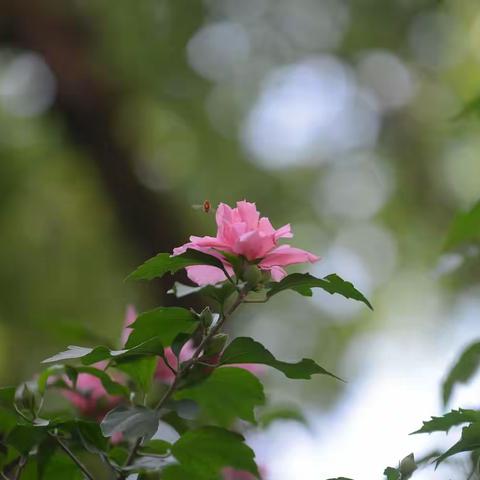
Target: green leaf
449,420
392,473
226,394
91,435
472,107
464,229
219,292
44,376
165,323
118,455
304,282
140,370
151,347
60,466
177,472
7,397
176,422
72,352
45,452
469,441
111,387
205,451
282,414
163,263
155,447
247,350
133,422
24,437
463,370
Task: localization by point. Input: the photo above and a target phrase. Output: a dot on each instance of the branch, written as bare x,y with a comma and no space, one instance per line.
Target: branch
184,369
74,458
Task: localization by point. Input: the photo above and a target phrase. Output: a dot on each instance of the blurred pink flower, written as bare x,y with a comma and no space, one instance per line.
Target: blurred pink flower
241,231
90,397
130,317
163,373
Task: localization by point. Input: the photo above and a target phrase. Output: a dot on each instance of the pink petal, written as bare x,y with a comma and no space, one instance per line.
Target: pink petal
287,255
248,214
130,317
205,275
277,273
254,245
265,226
224,214
284,232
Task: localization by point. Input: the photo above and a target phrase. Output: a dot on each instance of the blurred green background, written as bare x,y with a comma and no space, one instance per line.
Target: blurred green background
336,116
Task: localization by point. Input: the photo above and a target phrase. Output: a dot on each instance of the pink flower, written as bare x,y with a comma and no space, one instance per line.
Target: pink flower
241,231
163,373
130,317
90,397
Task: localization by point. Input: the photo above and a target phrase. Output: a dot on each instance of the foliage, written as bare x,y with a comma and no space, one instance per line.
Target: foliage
125,406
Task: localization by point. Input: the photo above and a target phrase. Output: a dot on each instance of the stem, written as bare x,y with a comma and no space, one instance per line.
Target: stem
184,368
21,465
74,458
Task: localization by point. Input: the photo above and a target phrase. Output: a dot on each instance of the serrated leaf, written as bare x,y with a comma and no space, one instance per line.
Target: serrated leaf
449,420
464,229
226,394
205,451
88,356
469,441
247,350
133,422
304,282
463,370
163,263
165,323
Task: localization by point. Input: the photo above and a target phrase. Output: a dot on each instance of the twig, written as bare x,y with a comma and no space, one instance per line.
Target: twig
184,368
21,465
74,458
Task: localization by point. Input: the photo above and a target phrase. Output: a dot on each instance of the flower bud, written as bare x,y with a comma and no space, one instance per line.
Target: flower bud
25,399
216,345
407,466
252,275
206,317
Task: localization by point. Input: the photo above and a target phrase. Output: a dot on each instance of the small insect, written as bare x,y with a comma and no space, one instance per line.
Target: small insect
206,207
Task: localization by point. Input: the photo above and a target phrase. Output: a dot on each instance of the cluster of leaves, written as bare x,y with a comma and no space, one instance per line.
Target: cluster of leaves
207,404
